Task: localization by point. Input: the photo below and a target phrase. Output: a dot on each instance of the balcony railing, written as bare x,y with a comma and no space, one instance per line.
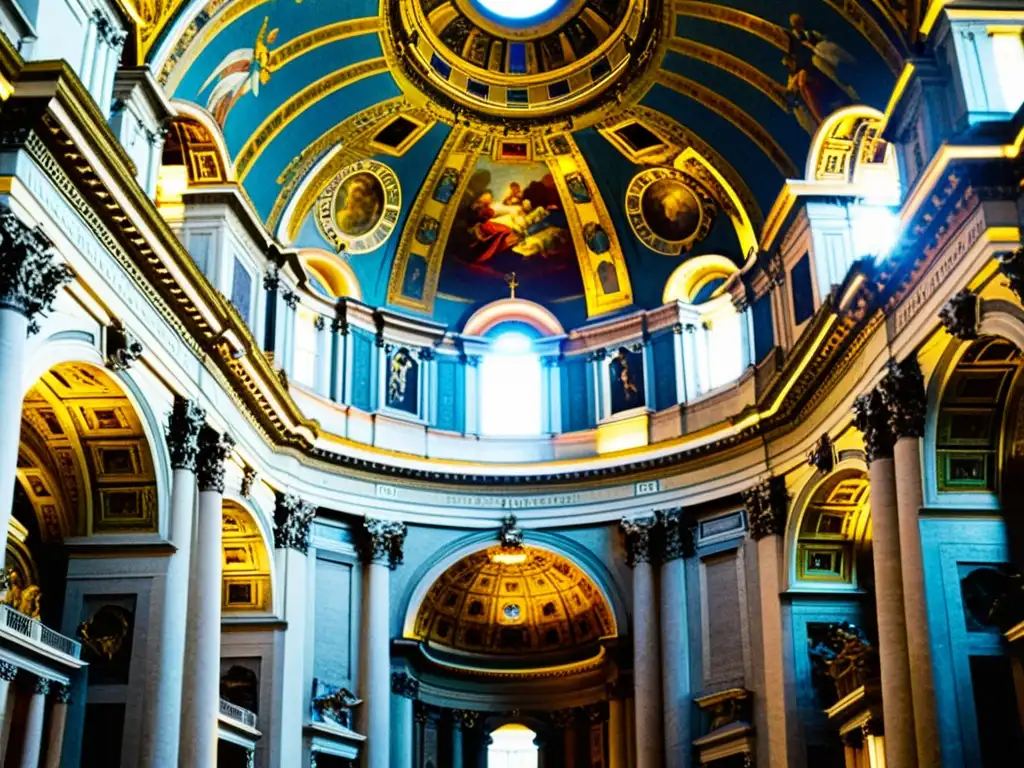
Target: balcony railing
35,630
238,714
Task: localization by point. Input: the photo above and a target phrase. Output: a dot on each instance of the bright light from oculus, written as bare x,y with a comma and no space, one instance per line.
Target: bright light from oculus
517,9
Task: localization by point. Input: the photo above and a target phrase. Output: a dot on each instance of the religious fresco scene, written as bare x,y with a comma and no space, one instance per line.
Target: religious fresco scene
512,383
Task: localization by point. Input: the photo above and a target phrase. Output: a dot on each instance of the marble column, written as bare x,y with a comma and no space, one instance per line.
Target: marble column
200,700
55,733
381,551
7,674
872,419
29,283
405,690
766,515
33,736
617,736
676,544
162,716
904,394
638,535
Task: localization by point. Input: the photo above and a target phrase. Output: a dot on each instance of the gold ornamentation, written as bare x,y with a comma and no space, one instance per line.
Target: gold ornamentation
668,210
748,73
359,208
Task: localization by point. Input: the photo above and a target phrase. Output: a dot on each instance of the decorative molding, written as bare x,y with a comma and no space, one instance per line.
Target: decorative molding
676,541
335,705
511,535
383,541
123,347
637,538
183,429
903,394
823,456
959,316
214,449
767,504
871,417
30,278
292,519
405,686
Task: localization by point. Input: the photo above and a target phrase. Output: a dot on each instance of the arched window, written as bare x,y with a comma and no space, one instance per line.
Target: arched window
512,746
510,386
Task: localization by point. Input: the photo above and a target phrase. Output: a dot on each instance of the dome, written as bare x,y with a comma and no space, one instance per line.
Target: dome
536,604
591,147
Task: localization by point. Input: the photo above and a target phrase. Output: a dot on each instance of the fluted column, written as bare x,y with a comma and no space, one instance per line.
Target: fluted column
646,656
872,419
382,542
29,282
7,674
766,514
58,721
163,714
904,394
33,737
292,520
200,701
405,690
676,544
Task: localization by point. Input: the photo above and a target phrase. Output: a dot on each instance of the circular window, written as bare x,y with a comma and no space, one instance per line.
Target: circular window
512,611
516,9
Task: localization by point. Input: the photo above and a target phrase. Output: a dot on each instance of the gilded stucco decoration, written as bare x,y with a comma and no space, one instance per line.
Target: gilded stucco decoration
541,605
358,209
668,211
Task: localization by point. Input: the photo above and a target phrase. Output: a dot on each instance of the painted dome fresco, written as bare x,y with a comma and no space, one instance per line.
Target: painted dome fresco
536,604
592,147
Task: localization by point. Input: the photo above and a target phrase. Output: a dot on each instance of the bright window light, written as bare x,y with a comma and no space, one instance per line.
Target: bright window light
512,746
517,9
510,388
304,362
876,229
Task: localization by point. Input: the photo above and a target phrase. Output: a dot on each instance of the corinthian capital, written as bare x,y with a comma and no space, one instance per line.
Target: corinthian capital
183,428
903,394
292,519
637,537
872,418
214,449
383,541
676,541
766,505
29,276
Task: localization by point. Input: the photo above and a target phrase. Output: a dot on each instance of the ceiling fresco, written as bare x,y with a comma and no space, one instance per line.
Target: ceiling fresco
590,148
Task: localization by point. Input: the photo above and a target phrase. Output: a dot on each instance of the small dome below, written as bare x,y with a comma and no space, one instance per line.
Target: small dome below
537,602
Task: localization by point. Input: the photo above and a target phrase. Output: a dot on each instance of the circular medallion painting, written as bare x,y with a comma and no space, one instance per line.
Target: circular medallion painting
358,209
663,210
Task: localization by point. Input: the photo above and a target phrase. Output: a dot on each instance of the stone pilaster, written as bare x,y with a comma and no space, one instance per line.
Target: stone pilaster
292,520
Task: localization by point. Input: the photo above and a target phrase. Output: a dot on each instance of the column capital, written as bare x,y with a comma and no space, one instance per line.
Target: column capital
959,315
903,394
214,449
465,718
871,417
383,541
183,429
63,693
563,719
405,686
292,520
29,275
42,686
636,533
8,671
766,505
420,712
677,541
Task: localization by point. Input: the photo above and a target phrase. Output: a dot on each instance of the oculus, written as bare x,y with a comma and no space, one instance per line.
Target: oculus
358,209
667,211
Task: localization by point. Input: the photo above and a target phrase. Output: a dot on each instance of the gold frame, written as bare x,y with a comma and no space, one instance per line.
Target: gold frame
387,221
422,126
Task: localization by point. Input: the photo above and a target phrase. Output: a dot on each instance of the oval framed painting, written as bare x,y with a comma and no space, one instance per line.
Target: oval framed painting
664,210
358,210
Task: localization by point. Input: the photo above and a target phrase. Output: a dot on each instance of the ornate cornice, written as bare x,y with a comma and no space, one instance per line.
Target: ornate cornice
767,504
637,538
183,428
30,278
383,541
903,394
959,316
214,449
292,519
871,417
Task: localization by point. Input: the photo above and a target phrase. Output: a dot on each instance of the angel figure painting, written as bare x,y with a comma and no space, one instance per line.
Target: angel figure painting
511,219
242,71
813,62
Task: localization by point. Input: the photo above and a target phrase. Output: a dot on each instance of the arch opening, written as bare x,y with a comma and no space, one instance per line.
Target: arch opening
512,746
